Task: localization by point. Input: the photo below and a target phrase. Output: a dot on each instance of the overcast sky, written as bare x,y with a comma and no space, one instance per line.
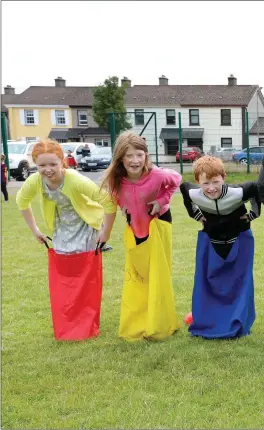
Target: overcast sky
87,41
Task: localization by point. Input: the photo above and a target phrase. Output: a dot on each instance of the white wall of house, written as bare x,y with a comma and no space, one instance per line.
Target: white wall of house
254,140
255,109
210,121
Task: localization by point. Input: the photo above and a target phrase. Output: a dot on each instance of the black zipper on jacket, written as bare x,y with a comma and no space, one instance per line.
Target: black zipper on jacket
216,204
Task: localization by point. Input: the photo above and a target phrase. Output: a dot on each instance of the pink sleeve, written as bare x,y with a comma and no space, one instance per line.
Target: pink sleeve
170,183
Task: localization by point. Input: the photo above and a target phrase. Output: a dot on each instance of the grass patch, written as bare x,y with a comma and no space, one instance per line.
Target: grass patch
233,177
108,383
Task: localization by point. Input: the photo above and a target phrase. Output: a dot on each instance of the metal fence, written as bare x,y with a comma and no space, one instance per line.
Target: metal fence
172,133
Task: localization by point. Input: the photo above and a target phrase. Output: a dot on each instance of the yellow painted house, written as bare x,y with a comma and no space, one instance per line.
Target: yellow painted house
58,112
35,121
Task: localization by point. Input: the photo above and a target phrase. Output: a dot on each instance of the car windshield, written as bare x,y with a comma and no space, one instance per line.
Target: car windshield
101,151
66,147
191,149
16,148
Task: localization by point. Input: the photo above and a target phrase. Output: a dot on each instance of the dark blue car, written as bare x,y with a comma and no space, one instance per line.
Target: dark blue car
255,155
100,158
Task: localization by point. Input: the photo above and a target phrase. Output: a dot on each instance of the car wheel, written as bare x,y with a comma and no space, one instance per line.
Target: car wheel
23,172
243,161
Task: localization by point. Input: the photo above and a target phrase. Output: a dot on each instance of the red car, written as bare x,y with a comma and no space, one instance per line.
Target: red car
189,154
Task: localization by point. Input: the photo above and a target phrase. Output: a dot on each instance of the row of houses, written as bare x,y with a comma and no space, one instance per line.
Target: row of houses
211,115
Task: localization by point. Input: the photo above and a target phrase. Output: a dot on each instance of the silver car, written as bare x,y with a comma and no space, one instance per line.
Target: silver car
224,153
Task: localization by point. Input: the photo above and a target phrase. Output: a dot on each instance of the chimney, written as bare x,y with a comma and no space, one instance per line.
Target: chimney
232,80
9,90
59,82
163,80
126,81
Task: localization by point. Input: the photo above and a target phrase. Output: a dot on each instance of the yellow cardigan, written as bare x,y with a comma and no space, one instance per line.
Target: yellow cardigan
86,198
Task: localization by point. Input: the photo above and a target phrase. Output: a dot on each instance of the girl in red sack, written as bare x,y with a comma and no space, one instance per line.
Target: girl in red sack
71,160
73,208
142,191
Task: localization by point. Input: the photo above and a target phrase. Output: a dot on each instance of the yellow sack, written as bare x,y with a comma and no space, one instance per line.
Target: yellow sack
147,308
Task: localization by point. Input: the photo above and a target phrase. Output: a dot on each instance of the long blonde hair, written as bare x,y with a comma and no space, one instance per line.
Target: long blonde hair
116,171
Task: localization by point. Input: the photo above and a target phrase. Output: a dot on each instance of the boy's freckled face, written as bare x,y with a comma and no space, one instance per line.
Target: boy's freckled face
212,187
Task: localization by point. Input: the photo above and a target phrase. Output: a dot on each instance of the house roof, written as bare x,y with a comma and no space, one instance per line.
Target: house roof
191,95
72,133
187,133
7,99
72,96
143,95
258,126
94,131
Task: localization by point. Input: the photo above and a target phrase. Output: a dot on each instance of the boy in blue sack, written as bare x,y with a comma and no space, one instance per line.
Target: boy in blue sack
223,295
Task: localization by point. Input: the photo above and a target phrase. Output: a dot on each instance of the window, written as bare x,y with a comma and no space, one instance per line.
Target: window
82,117
225,116
101,142
60,117
30,148
29,139
29,117
171,146
226,142
261,141
170,117
61,140
194,116
139,116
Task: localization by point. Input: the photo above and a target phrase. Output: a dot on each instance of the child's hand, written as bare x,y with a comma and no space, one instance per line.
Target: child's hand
103,237
156,207
41,238
202,220
124,211
245,217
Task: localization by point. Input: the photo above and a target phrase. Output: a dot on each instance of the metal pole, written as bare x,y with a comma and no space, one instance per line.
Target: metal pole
4,140
156,139
112,129
180,140
142,131
247,134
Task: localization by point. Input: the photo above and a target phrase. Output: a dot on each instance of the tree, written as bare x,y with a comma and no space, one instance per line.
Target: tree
109,97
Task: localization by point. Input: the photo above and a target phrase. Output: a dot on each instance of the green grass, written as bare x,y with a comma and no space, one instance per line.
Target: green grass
182,382
233,177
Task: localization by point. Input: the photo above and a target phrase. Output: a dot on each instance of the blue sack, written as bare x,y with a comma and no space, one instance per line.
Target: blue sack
223,295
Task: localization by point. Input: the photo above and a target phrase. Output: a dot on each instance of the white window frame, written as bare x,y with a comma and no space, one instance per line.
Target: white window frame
29,113
223,144
60,115
139,113
100,142
170,117
82,121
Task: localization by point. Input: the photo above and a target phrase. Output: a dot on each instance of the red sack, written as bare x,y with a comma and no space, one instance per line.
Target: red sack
75,284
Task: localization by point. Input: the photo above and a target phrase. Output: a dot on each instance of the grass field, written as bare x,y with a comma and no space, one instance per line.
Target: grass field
182,382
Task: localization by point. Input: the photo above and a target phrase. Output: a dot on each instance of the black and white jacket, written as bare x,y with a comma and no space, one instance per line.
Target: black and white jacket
223,223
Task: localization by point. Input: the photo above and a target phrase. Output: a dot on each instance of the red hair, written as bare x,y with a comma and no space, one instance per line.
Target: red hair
211,166
49,146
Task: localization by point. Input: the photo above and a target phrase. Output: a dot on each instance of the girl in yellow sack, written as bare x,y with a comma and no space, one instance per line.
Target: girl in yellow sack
143,192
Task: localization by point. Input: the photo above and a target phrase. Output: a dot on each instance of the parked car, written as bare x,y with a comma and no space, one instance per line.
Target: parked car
76,148
224,153
100,158
20,159
191,153
255,155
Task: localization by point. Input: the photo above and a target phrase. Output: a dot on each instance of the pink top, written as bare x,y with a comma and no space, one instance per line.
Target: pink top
159,184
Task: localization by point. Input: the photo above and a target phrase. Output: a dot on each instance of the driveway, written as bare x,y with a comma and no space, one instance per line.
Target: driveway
14,185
